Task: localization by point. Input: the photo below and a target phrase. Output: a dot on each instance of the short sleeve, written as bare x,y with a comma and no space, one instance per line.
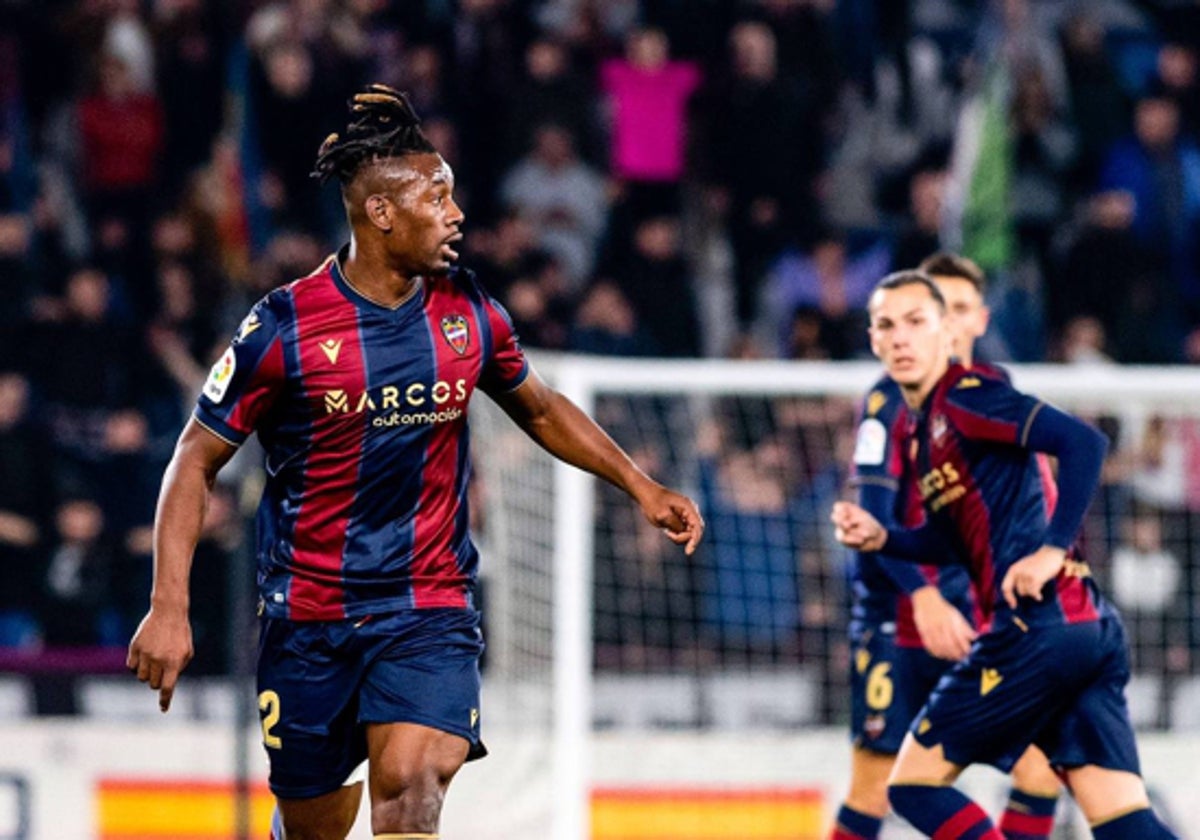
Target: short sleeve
247,379
506,366
878,441
989,409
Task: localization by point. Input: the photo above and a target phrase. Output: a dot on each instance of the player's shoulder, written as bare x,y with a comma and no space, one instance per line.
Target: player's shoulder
960,378
883,401
881,407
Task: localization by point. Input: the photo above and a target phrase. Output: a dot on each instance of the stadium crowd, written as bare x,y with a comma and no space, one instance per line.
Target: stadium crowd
683,178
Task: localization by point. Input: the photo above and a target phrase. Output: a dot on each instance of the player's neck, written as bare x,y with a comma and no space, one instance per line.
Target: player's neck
916,393
371,276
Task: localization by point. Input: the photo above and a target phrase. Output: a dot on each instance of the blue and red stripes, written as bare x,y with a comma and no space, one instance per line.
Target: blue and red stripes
325,320
437,579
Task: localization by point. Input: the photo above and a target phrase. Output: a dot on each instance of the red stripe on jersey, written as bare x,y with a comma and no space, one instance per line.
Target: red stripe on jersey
1049,485
973,522
259,391
436,578
331,358
977,427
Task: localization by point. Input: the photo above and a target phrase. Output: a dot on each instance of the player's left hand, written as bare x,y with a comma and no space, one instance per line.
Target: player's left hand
676,515
1027,576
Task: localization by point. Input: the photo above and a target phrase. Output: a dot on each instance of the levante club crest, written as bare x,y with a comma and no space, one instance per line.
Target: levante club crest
456,332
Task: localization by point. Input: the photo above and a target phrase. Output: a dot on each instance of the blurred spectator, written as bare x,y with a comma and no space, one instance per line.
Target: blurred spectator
606,324
1179,76
645,597
88,370
1161,169
751,598
289,110
807,335
78,578
922,235
499,253
1099,107
191,76
538,304
25,497
1084,341
761,180
648,95
831,281
562,198
552,90
656,280
1043,152
1148,585
122,143
1107,272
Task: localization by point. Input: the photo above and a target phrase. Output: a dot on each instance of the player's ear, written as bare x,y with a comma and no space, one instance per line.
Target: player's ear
379,211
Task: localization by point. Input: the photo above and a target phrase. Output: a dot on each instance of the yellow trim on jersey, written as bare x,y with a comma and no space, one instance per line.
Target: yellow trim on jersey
889,483
1029,423
213,431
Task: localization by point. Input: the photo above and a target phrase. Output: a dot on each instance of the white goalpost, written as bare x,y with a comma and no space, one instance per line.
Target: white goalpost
614,665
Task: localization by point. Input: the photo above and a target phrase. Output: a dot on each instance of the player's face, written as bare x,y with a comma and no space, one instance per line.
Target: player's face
427,219
909,335
966,316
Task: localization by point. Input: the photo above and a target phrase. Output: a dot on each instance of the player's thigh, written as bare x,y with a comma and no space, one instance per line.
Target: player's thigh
919,764
989,707
1033,774
326,817
888,686
1095,728
411,757
427,673
308,675
1103,794
869,772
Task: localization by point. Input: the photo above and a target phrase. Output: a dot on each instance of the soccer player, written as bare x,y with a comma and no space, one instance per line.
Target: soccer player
909,622
357,379
1051,666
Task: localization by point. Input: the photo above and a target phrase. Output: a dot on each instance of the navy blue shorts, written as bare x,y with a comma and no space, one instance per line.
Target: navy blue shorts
320,682
888,686
1061,687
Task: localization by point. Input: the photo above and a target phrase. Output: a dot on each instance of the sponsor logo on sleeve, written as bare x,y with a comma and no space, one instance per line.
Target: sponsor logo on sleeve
220,376
871,444
249,324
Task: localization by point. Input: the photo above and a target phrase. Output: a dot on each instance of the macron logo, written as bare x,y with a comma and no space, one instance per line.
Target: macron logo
331,348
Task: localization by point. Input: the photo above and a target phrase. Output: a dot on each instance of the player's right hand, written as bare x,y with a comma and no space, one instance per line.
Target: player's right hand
160,650
857,529
943,630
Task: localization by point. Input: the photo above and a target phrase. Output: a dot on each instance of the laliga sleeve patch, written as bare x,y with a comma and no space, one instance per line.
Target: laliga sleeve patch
871,444
220,376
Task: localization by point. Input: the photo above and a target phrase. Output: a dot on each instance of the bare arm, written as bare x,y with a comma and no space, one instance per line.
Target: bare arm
162,645
563,430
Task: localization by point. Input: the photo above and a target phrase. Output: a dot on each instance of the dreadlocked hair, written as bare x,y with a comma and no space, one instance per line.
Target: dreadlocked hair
383,124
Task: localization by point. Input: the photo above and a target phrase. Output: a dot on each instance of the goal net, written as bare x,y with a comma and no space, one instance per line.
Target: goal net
620,673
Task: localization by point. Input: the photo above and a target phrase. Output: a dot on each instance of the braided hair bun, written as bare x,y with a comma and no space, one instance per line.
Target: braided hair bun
382,124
